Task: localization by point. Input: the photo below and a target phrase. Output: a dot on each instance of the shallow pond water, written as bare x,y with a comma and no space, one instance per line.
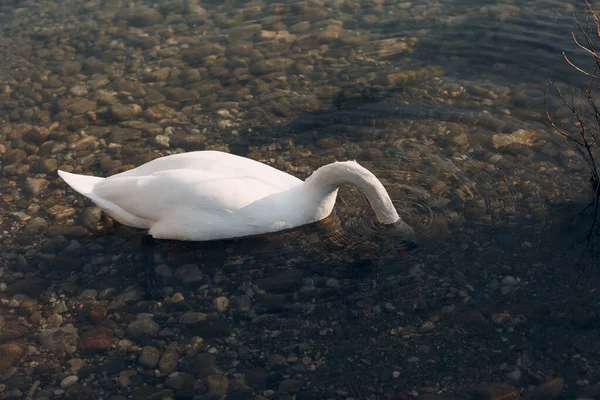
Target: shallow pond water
442,100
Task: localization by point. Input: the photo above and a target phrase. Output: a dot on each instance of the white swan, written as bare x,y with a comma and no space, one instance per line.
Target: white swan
208,195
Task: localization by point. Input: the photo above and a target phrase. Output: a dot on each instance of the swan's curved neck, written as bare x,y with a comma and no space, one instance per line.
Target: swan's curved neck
327,179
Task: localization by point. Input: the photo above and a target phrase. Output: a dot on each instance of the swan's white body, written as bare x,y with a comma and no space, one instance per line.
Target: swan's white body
208,195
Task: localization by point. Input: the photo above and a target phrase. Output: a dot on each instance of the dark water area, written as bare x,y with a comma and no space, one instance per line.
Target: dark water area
442,100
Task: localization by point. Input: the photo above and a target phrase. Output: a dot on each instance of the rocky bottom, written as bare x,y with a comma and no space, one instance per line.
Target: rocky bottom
99,87
475,314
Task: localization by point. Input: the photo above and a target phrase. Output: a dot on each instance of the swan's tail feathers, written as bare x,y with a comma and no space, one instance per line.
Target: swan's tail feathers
83,184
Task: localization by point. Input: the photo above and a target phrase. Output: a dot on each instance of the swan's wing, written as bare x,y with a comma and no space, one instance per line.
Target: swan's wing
219,165
184,223
154,196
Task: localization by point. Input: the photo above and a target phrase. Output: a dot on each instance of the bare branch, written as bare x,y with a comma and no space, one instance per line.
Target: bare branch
579,69
584,135
593,53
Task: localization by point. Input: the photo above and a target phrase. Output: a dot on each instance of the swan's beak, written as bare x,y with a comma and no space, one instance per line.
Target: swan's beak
405,234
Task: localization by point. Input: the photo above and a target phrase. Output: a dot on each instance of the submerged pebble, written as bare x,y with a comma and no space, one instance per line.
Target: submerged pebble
101,88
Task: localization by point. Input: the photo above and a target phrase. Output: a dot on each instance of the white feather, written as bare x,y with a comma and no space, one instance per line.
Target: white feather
207,195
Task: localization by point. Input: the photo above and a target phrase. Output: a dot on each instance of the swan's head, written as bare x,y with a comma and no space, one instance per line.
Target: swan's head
403,234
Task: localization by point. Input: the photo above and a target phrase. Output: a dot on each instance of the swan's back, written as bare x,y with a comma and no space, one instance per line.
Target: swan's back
216,165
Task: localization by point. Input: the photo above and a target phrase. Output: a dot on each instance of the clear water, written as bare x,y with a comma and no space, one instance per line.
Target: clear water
442,100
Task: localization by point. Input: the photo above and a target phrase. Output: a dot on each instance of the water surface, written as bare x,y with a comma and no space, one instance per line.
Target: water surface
442,100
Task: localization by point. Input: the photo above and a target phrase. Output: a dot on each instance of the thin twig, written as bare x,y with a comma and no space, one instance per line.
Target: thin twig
586,116
579,69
